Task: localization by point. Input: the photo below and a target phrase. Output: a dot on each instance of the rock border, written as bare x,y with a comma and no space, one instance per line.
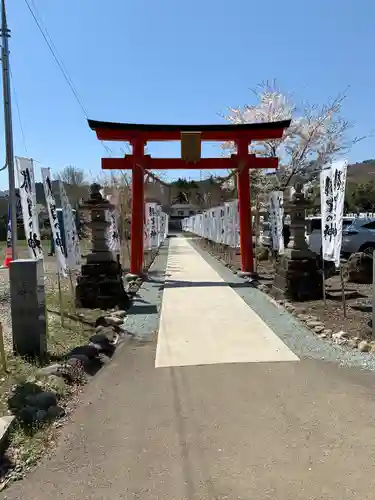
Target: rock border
316,326
309,321
39,400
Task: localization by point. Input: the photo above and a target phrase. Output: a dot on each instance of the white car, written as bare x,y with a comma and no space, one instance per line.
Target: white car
314,232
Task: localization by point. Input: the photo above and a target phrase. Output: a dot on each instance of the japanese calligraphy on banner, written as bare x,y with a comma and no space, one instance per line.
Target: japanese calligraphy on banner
332,195
230,222
26,183
55,226
276,202
152,225
155,226
73,251
113,237
9,230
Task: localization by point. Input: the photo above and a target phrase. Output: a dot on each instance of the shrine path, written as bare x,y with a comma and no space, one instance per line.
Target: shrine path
227,401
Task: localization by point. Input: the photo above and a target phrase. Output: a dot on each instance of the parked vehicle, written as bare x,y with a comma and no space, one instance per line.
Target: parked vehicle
314,232
359,236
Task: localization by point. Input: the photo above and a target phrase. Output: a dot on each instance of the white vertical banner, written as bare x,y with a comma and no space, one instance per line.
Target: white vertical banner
147,227
221,225
158,225
230,208
237,225
26,186
55,226
73,251
163,221
276,209
112,233
152,225
166,222
332,197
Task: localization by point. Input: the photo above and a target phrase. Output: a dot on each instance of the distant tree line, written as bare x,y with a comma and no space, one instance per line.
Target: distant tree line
359,197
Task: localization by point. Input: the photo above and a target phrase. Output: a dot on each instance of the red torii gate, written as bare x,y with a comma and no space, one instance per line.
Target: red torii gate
190,136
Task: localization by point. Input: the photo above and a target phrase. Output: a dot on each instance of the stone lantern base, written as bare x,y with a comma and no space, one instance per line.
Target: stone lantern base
100,286
298,277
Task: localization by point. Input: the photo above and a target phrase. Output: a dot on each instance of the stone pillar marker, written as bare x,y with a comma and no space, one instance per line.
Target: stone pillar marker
28,308
298,276
100,285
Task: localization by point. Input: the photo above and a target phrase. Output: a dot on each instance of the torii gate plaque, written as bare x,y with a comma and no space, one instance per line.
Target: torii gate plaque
190,136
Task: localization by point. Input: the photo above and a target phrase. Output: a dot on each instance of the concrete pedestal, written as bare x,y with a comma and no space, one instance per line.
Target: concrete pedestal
28,307
298,277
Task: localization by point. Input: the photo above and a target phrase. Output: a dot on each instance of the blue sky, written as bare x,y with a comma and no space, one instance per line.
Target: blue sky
168,61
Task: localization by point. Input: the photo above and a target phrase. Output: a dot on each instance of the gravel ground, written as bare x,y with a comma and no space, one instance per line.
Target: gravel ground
296,336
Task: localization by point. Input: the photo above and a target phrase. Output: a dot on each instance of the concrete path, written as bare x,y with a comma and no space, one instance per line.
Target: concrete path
149,428
204,321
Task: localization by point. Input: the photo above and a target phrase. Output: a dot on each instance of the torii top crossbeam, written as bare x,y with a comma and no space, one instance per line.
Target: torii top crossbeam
140,134
112,131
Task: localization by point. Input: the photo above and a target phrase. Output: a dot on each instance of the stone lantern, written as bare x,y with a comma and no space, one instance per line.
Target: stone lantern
298,276
100,285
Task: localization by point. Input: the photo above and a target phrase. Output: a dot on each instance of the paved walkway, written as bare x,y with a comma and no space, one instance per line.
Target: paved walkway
177,418
204,321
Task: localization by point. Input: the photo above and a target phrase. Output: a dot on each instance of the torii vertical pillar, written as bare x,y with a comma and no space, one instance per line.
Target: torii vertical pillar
137,220
244,208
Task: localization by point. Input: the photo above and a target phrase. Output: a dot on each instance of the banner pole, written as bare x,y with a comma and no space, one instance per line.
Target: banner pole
2,349
343,291
60,299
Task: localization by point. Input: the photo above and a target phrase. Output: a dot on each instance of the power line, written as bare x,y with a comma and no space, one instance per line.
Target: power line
52,47
18,111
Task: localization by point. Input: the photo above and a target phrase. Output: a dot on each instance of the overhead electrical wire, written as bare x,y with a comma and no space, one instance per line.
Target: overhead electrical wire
18,111
52,47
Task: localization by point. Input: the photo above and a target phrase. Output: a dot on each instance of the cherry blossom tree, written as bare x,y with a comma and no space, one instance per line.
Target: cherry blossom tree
317,135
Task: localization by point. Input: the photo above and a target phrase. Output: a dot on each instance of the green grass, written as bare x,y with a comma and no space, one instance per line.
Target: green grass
26,448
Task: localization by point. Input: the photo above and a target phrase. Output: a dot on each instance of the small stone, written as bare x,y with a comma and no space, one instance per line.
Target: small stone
318,328
303,317
340,335
99,328
132,287
302,310
108,332
42,401
84,360
113,321
131,277
313,318
54,383
98,347
119,314
55,412
352,343
323,335
100,338
364,346
29,415
86,350
313,324
289,307
328,332
53,369
74,369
